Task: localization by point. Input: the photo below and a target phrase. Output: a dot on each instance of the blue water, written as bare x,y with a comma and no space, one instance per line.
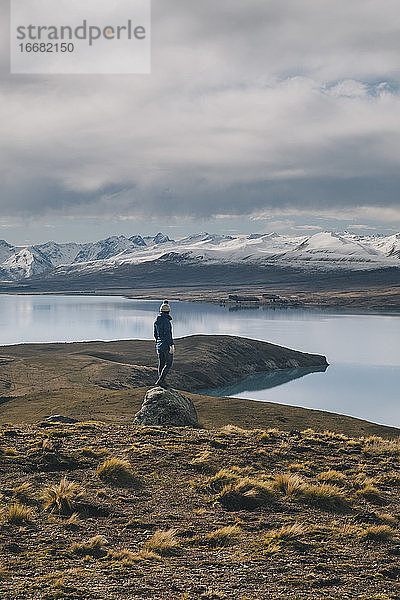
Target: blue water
363,350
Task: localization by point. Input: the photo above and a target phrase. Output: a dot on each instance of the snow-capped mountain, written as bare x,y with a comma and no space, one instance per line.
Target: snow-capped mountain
6,251
25,263
112,246
325,251
334,250
59,254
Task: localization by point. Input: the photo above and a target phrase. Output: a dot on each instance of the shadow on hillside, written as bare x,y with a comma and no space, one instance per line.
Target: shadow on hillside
263,381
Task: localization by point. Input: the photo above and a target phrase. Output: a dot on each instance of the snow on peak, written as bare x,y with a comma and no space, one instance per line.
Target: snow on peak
137,240
329,242
160,238
26,263
322,251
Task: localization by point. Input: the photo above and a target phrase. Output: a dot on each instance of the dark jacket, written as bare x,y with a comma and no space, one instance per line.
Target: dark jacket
163,332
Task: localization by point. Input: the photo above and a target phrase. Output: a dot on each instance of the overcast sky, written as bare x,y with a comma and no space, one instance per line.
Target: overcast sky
259,115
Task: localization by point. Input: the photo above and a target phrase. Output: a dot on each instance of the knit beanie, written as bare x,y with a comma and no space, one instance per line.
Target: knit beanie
165,307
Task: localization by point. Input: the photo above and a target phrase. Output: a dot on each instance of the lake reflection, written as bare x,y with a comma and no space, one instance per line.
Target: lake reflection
263,381
363,378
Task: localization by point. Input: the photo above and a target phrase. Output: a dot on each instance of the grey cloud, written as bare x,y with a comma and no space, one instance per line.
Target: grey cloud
224,125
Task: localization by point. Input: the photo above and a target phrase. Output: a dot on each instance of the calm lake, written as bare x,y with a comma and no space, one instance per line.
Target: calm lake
363,379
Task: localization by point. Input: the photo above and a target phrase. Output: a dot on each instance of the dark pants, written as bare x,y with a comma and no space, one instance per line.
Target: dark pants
165,360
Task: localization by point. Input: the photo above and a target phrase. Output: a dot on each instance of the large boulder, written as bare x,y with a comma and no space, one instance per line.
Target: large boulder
166,407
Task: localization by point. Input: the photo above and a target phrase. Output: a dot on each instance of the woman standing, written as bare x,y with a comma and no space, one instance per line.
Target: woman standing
164,343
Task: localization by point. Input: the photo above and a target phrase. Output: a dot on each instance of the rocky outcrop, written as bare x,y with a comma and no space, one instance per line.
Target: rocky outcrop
60,419
166,407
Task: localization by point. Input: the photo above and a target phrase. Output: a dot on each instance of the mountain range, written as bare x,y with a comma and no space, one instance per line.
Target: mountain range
319,253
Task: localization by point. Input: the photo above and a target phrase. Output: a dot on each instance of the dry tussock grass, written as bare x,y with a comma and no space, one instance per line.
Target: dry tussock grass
378,533
355,444
332,476
24,492
117,472
361,480
371,494
270,435
222,478
288,532
377,446
388,519
285,536
325,496
3,572
92,452
308,432
347,531
234,430
224,536
246,494
392,478
63,497
163,542
93,547
289,484
203,462
333,435
73,522
127,557
18,514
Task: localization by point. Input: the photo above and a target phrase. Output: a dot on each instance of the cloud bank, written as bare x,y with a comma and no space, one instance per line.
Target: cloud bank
257,108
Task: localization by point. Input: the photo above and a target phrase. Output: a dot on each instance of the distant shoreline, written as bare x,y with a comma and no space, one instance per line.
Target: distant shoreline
369,300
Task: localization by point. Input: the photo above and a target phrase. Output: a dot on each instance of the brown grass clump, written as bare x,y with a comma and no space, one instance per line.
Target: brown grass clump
360,480
371,494
265,436
246,494
388,519
289,484
163,542
378,533
146,555
93,547
373,439
127,557
9,451
354,444
335,436
203,462
332,476
224,536
117,472
24,492
62,498
287,532
297,467
308,432
288,535
325,496
93,452
233,430
377,446
218,481
73,522
18,513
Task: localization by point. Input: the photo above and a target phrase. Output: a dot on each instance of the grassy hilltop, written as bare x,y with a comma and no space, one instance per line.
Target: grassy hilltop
107,381
262,501
116,512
